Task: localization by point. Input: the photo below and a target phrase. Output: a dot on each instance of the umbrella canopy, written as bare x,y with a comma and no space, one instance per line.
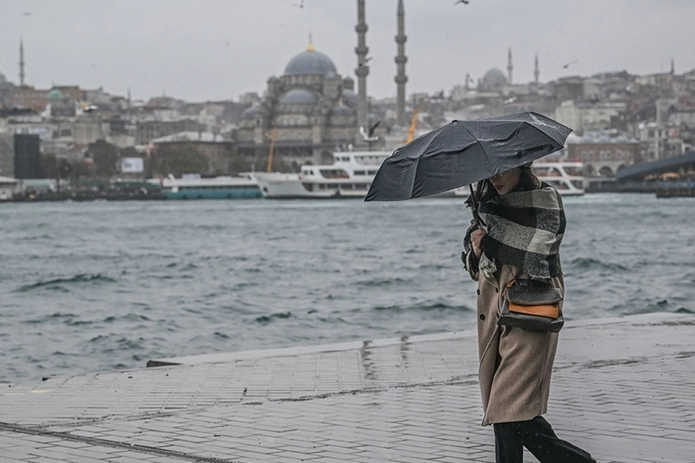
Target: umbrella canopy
465,152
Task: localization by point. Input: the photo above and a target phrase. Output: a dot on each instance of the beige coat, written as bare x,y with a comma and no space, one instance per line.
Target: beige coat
515,364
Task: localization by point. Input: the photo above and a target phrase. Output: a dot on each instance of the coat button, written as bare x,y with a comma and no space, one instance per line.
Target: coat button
482,316
478,292
497,290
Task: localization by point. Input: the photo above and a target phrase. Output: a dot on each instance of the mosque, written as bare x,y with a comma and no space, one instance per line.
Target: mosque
307,113
311,111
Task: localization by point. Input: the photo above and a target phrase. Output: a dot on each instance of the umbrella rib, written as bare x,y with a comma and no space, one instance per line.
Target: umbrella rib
538,129
482,146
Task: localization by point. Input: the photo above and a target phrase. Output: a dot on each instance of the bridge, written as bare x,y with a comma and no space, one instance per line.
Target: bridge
645,170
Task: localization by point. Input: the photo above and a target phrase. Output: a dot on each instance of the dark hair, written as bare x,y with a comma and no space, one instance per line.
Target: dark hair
528,180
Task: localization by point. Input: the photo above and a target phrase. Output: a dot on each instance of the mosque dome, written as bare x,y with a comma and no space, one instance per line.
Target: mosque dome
349,96
273,79
310,62
56,94
494,79
299,96
331,75
341,110
250,112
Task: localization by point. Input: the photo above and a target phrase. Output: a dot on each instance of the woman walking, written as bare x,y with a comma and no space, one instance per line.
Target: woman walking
518,237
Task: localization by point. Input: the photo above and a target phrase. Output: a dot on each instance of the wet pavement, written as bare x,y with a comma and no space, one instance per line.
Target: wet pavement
623,389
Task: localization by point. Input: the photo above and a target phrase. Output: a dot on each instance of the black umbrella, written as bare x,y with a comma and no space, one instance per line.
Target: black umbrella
465,152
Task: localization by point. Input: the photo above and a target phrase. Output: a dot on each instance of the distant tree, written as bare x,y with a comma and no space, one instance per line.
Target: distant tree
49,165
239,163
130,152
177,159
105,157
79,169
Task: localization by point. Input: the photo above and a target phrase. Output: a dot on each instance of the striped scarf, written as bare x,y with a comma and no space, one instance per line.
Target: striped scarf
524,229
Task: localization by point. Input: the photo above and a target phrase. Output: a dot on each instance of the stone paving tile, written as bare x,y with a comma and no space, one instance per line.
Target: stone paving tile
621,388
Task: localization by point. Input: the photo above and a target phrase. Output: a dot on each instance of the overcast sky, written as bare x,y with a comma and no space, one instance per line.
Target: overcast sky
201,50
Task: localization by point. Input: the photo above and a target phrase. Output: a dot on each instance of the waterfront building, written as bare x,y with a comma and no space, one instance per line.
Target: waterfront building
306,114
587,116
603,153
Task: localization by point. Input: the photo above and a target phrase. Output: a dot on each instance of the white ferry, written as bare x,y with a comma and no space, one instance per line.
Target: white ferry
350,176
196,187
567,177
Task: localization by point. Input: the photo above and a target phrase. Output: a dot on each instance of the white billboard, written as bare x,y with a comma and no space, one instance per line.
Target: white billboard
132,165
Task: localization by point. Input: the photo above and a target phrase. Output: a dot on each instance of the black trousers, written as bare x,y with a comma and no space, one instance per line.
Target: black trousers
539,438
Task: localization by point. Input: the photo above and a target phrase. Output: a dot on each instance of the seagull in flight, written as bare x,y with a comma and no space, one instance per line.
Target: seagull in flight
369,136
465,2
300,4
565,66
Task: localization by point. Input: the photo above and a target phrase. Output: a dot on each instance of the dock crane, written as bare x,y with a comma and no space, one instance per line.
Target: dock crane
273,135
413,125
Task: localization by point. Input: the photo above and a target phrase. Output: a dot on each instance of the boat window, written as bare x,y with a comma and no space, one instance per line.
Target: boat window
359,172
372,172
334,173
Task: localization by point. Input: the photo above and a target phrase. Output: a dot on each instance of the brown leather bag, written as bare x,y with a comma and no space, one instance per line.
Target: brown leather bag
531,305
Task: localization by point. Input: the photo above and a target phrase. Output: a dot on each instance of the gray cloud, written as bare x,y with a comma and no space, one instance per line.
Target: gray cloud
210,49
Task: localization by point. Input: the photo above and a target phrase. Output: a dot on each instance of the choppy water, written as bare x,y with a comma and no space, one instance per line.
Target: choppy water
108,285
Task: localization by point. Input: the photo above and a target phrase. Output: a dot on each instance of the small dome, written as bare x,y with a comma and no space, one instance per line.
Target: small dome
349,96
299,96
309,62
341,110
250,112
55,94
273,79
494,79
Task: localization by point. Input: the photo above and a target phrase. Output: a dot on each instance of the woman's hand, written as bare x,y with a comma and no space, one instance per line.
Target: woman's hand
476,236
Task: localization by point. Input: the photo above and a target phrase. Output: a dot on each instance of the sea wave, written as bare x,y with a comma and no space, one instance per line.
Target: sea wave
592,264
61,284
383,282
105,292
265,319
425,307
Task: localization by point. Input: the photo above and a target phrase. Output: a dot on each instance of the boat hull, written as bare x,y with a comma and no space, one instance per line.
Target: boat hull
293,186
251,193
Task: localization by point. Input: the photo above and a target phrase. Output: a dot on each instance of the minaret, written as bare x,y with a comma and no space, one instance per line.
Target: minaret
401,59
362,69
673,66
536,71
21,62
509,66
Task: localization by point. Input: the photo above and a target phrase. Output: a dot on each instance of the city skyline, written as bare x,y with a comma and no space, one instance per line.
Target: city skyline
217,49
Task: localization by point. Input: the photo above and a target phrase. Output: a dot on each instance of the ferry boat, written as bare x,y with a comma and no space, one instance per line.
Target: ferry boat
350,176
567,177
196,187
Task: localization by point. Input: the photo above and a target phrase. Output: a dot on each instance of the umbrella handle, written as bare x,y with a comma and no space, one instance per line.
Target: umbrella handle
474,208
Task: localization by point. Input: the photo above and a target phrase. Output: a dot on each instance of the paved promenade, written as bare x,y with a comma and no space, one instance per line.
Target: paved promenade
624,389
